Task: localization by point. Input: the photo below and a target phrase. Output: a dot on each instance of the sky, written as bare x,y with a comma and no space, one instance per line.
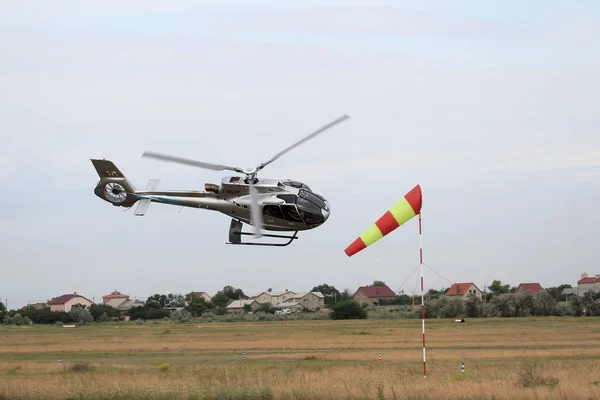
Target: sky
492,107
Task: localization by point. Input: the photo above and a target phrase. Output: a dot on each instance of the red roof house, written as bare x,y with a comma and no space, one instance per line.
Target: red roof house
204,295
114,295
373,294
588,284
529,288
588,279
66,301
464,289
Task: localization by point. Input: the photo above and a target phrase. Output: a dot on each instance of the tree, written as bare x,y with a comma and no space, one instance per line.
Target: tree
453,308
232,293
473,306
525,305
169,300
434,294
576,304
97,310
347,309
2,306
497,288
267,308
499,307
332,295
590,307
545,304
557,292
378,283
345,295
81,315
148,311
197,305
220,300
159,299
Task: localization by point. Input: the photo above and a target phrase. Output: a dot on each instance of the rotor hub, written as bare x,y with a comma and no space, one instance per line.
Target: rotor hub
250,171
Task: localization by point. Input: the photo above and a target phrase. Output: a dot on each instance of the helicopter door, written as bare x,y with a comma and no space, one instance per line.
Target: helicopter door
272,211
290,213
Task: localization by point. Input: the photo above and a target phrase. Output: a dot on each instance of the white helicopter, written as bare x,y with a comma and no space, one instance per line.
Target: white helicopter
266,204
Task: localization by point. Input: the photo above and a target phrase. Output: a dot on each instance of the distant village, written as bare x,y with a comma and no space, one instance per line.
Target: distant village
318,299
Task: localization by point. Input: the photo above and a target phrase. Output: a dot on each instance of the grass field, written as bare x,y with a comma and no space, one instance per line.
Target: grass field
541,358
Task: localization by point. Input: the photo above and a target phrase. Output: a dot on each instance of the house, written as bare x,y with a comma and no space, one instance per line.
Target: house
124,304
66,301
115,294
588,284
373,294
293,306
464,290
35,306
204,295
532,288
304,300
237,306
273,297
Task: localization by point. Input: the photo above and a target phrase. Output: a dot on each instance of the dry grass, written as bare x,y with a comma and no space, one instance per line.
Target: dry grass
544,358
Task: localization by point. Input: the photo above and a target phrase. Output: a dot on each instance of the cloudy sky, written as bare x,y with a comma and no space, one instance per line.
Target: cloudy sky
492,107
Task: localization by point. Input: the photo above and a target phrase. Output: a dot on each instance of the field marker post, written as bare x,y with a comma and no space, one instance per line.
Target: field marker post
422,296
244,355
462,367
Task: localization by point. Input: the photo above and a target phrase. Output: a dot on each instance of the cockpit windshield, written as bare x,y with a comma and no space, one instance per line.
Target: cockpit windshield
313,198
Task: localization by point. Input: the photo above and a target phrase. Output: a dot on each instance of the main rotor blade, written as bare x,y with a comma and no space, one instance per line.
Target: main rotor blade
298,143
255,212
188,161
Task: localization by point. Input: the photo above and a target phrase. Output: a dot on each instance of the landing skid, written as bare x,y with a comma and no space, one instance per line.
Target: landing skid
235,236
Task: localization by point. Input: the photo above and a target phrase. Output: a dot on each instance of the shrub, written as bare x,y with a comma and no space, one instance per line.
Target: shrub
17,319
180,316
163,367
81,315
348,309
103,317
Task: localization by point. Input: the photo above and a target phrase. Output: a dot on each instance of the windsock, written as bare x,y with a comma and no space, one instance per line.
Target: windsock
402,211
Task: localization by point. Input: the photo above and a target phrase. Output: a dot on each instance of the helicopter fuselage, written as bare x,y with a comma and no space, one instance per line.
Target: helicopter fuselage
286,205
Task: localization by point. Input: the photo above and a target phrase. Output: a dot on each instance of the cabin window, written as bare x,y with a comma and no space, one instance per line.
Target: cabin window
273,211
290,213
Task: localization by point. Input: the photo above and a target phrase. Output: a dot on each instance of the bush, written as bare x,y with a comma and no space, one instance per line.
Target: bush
180,316
103,317
81,315
17,319
348,309
163,367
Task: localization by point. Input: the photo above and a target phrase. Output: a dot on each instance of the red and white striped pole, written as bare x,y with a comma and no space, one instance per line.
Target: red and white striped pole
422,296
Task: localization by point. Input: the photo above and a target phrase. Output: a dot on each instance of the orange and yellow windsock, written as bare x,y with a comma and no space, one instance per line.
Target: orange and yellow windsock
402,211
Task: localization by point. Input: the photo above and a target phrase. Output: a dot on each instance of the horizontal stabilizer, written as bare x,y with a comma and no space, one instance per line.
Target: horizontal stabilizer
142,207
145,203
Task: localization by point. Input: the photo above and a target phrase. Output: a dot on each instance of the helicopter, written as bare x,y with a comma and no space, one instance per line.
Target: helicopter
278,205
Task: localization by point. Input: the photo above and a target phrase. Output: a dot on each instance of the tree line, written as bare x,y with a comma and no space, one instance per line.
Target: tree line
500,301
